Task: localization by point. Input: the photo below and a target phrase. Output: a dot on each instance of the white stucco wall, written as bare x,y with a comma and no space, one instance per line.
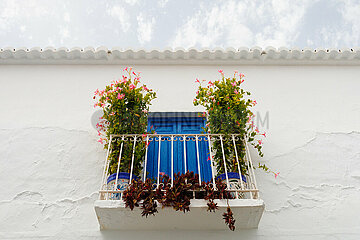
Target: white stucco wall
51,163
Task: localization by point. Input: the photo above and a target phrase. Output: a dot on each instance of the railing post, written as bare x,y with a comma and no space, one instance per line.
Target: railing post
211,163
237,160
172,160
252,169
226,173
250,180
106,165
118,167
158,176
146,153
132,160
184,137
198,158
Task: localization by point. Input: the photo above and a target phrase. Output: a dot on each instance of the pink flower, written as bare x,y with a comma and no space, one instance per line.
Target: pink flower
260,142
241,81
236,92
128,69
132,86
145,88
276,174
264,134
124,79
211,83
120,96
241,75
254,102
144,111
221,72
249,119
197,80
233,83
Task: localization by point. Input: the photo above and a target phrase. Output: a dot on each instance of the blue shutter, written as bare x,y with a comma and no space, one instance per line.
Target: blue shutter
178,125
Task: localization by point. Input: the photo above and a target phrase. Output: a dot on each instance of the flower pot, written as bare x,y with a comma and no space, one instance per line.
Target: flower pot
234,182
122,184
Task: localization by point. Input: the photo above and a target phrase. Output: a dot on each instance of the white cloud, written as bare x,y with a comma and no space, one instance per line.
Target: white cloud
351,13
67,17
145,28
14,11
131,2
162,3
22,28
123,17
245,23
64,34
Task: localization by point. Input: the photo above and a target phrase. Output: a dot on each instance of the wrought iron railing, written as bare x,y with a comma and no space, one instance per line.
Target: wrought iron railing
245,187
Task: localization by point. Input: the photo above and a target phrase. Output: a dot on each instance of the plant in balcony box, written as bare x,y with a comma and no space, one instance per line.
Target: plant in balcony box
228,111
125,104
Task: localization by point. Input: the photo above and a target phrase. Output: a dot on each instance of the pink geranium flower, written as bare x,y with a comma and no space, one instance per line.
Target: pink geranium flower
260,142
120,96
276,174
132,86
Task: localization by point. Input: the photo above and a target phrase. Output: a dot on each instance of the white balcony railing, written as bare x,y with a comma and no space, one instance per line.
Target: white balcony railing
246,188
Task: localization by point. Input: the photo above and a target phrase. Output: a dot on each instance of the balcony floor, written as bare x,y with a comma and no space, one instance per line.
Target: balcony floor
113,215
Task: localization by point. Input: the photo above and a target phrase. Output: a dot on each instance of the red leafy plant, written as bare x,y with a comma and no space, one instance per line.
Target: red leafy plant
176,194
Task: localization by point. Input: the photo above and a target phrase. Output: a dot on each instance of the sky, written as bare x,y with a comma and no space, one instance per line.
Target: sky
185,24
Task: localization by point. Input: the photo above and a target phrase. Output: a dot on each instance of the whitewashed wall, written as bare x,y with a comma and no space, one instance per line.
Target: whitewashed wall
50,161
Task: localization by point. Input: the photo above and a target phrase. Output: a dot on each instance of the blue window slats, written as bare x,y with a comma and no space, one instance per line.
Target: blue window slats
178,125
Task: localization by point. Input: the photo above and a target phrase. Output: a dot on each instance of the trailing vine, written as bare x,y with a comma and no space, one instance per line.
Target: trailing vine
177,195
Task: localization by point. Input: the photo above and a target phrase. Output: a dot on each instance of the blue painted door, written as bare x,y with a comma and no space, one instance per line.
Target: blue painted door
178,125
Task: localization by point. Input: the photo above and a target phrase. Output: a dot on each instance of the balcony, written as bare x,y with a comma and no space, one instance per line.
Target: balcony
168,154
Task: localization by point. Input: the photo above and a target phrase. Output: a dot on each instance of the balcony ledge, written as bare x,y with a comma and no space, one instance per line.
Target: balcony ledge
112,215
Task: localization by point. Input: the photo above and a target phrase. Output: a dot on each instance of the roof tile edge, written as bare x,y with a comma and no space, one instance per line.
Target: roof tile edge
252,56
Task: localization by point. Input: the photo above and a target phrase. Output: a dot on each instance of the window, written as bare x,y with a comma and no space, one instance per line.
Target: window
184,156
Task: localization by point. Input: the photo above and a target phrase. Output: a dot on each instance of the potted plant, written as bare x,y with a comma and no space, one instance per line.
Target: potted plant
228,111
125,104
